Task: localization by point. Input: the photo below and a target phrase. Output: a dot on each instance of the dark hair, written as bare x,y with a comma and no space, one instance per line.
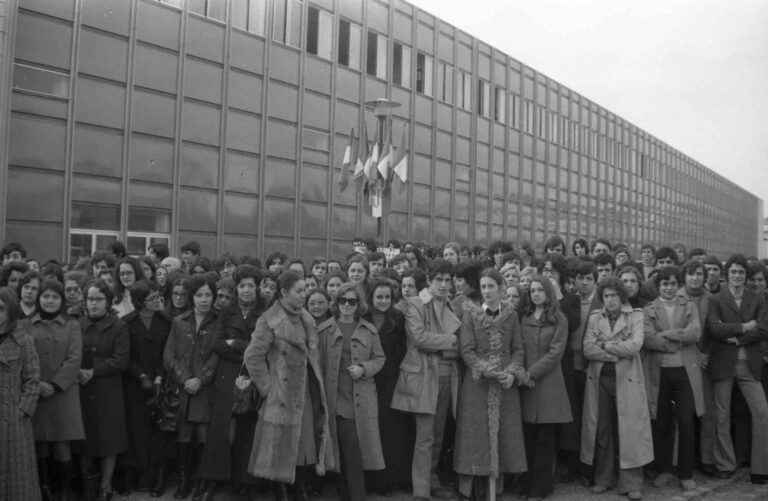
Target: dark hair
493,274
439,266
318,260
28,276
421,262
274,256
218,264
395,244
738,259
11,267
648,246
141,290
581,242
603,259
629,268
196,282
667,253
295,260
133,263
622,249
383,282
499,247
555,241
148,261
14,312
359,258
615,284
666,273
698,251
370,244
585,268
690,267
160,250
76,276
398,258
375,256
52,269
175,279
419,277
58,288
14,247
603,241
679,245
118,249
192,246
250,260
201,261
551,307
510,256
470,272
362,305
756,267
712,260
559,263
287,280
102,287
244,271
99,256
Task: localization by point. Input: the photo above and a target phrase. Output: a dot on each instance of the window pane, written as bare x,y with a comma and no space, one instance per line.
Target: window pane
136,246
401,65
80,245
216,9
149,220
445,82
319,32
40,80
381,58
500,105
95,217
370,66
257,12
424,74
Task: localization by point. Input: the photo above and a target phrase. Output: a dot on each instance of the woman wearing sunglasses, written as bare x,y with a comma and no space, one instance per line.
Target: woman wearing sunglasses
351,355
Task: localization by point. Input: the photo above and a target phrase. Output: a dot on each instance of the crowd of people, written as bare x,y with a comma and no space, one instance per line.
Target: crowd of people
449,371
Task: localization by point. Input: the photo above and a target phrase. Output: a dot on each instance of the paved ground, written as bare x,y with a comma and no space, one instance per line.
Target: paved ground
736,489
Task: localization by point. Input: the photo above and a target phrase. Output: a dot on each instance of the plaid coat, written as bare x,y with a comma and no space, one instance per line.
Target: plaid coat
19,388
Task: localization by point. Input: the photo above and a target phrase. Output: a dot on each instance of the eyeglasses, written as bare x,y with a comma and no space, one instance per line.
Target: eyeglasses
179,294
127,273
351,301
152,299
72,290
95,299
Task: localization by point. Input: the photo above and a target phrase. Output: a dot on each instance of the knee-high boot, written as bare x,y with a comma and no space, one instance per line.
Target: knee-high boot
66,473
300,492
280,491
44,473
185,480
158,485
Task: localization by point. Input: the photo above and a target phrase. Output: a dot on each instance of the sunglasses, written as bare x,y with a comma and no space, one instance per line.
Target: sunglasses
352,301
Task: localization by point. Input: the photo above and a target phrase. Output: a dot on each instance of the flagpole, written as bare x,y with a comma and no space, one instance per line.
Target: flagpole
381,108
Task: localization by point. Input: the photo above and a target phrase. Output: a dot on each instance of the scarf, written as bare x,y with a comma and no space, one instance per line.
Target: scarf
698,291
292,311
48,316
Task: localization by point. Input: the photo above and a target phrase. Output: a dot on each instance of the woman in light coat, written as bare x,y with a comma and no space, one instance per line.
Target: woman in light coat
19,387
283,359
671,362
351,354
615,403
58,419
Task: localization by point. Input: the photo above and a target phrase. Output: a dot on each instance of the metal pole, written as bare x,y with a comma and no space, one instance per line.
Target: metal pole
381,108
382,124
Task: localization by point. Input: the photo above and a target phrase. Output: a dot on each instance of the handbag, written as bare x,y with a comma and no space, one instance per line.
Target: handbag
165,410
245,396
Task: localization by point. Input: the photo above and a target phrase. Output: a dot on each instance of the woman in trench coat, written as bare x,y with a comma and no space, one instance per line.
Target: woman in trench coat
58,419
615,403
489,428
19,387
351,355
283,359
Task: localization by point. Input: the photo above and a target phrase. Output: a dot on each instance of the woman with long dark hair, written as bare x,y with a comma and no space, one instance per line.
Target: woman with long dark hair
283,359
190,362
58,420
226,453
148,328
128,272
544,398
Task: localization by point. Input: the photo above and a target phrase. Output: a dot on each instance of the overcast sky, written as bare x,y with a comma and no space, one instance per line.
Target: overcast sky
694,73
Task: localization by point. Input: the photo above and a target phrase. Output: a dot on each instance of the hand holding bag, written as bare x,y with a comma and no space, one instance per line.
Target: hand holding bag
245,397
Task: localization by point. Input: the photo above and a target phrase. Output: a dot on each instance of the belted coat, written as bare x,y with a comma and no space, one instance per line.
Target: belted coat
366,351
620,345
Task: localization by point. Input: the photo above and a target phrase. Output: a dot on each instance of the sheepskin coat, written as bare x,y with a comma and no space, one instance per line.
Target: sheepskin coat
489,427
282,358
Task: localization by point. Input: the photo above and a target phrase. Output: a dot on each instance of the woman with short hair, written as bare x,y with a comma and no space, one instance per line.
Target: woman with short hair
128,273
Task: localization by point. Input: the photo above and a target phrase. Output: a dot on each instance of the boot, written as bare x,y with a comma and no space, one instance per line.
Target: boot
300,484
210,491
159,484
200,488
281,493
44,472
185,481
91,482
66,473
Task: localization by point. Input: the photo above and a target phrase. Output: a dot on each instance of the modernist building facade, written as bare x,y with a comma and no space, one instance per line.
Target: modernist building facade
225,121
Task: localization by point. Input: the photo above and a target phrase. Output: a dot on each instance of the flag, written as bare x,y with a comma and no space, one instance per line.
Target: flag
385,162
401,161
347,164
370,164
362,157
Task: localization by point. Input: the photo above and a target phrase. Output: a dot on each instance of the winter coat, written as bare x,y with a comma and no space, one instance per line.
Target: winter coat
724,321
489,427
19,387
282,358
106,350
189,354
546,401
366,351
687,331
59,344
147,345
622,346
430,338
219,456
